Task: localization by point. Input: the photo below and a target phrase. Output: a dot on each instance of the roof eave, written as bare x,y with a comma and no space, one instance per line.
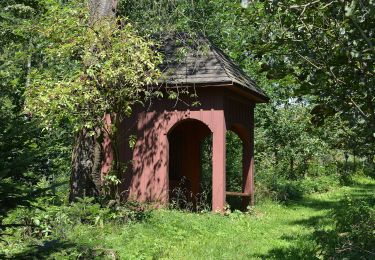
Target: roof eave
249,93
234,86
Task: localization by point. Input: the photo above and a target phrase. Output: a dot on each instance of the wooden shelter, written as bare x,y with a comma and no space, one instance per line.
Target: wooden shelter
212,95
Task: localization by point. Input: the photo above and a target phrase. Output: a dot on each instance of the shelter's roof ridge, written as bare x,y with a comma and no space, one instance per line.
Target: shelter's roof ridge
196,60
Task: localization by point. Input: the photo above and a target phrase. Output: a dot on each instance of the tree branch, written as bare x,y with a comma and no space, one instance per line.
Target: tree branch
359,109
364,36
309,61
305,5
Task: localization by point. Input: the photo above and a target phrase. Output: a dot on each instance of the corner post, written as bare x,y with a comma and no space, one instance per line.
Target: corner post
248,164
218,164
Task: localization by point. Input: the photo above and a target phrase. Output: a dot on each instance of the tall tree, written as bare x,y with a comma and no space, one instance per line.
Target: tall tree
330,51
87,154
93,64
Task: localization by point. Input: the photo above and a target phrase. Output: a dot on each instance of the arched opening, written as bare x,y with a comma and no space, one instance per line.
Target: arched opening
206,173
234,170
185,163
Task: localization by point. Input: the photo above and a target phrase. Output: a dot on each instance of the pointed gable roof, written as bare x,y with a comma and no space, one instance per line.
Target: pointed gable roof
197,61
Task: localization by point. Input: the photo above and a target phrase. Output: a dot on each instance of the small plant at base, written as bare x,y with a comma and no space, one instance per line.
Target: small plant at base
110,185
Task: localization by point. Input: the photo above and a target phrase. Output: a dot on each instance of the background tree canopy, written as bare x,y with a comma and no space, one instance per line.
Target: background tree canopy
60,72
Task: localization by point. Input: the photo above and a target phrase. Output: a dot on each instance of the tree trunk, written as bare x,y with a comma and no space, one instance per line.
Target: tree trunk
102,8
292,175
87,157
85,179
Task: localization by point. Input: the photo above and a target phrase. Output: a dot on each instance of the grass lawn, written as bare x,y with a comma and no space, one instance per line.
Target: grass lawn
271,231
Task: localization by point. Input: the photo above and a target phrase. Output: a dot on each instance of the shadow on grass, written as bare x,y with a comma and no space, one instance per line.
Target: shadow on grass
302,247
58,249
362,190
308,246
43,251
358,191
366,186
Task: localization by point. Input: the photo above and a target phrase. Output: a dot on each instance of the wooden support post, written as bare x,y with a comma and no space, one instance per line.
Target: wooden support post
248,166
252,169
218,166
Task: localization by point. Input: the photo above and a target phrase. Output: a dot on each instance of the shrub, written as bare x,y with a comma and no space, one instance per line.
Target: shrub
293,190
318,184
318,168
369,170
54,221
287,190
264,192
272,183
281,189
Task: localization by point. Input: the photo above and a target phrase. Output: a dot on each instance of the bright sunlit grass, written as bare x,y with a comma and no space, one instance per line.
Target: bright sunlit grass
271,231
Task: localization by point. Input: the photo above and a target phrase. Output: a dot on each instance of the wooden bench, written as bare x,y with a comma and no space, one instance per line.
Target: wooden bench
231,193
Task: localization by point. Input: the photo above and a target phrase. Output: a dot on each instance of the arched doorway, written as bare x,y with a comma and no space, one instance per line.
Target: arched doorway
234,169
206,173
235,158
184,170
239,159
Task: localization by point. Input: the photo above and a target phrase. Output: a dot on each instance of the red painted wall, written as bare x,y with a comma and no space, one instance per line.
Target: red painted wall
146,177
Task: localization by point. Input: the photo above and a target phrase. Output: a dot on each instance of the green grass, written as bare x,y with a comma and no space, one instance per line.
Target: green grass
272,230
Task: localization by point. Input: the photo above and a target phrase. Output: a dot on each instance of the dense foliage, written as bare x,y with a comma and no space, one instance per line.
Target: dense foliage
60,72
87,69
33,162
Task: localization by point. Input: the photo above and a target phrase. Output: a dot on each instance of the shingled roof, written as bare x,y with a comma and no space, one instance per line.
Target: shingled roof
197,61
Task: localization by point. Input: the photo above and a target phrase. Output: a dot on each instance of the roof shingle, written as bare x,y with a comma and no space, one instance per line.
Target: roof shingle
199,61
